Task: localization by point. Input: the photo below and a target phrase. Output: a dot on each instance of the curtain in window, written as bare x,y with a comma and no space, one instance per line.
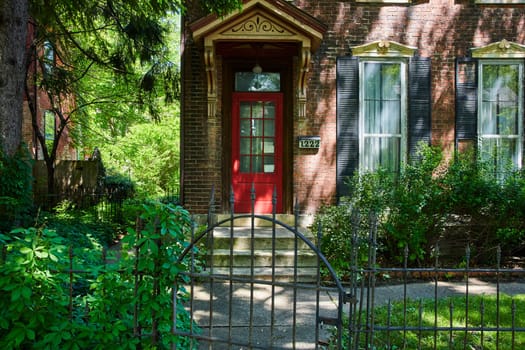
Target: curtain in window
499,113
419,116
382,116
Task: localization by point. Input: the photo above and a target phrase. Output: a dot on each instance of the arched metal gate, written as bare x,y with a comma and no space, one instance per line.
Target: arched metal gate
255,292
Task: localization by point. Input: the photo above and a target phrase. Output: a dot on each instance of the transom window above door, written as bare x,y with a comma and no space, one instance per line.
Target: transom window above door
260,82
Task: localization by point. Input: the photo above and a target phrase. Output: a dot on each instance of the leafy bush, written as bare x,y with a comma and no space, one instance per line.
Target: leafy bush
417,209
80,228
37,311
15,189
149,154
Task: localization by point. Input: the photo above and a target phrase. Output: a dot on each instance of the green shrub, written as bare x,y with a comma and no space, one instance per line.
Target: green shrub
417,208
16,191
37,312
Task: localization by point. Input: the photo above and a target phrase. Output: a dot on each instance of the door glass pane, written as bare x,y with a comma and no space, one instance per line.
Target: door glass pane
269,166
269,128
245,145
269,110
245,110
246,127
257,164
269,146
257,127
257,137
245,164
263,82
257,146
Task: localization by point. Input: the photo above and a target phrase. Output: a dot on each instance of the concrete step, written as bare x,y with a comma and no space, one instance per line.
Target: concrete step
264,258
281,274
264,239
266,250
303,221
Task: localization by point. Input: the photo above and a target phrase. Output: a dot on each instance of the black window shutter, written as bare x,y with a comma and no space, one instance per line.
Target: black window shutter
466,99
419,100
347,121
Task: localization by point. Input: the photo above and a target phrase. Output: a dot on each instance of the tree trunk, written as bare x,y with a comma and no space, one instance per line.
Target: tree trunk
13,32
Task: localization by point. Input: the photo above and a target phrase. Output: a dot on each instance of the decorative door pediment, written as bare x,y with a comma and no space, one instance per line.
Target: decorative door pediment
255,26
260,21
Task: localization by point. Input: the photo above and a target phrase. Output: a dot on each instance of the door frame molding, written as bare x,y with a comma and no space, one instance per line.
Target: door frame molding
258,179
285,67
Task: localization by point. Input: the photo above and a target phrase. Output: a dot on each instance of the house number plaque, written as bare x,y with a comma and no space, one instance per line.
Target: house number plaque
309,141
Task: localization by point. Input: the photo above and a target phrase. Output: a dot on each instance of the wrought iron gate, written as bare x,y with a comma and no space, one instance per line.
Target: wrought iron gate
257,294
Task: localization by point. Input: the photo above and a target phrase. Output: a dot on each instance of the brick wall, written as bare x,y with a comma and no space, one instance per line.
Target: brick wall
440,29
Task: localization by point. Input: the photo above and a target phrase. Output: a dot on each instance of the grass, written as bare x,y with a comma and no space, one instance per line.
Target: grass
417,325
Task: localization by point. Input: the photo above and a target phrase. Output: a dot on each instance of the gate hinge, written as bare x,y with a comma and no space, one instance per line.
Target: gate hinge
349,298
329,321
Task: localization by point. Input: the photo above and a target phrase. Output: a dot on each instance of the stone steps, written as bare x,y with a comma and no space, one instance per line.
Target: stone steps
272,256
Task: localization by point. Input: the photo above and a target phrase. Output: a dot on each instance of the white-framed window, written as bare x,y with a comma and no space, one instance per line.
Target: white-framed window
48,57
49,129
500,113
382,114
384,105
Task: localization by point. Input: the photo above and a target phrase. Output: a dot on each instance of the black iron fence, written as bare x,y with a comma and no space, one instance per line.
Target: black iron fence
254,293
435,307
376,307
107,205
262,287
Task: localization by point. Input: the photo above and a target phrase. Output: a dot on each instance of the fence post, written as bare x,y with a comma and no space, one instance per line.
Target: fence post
70,283
156,286
137,330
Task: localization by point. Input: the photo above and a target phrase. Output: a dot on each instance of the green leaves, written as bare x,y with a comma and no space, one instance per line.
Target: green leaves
35,283
427,201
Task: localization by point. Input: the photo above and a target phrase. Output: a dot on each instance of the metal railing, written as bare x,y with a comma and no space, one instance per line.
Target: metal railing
272,305
436,307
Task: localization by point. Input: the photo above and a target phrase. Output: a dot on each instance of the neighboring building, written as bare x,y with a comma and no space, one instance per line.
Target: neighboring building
45,117
298,95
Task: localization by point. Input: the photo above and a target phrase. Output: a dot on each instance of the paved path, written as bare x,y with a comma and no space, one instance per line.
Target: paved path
236,304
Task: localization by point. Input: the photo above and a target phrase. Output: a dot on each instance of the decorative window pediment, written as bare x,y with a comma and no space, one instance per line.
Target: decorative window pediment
499,2
385,1
500,49
383,48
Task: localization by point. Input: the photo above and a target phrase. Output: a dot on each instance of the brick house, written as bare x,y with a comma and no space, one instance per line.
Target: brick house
45,117
294,96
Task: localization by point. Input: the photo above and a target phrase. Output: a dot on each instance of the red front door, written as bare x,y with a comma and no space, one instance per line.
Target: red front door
257,150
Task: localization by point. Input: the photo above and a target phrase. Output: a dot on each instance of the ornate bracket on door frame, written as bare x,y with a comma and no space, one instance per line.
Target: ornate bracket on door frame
211,77
302,83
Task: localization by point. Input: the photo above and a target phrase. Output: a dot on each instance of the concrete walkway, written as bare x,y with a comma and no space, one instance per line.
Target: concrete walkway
252,310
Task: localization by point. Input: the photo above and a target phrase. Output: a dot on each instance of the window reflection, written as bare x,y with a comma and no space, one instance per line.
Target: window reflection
264,82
